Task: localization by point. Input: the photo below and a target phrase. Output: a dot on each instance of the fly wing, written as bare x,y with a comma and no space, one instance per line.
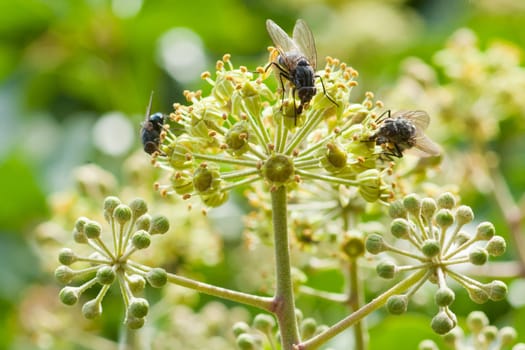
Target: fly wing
427,146
148,109
420,119
280,39
303,37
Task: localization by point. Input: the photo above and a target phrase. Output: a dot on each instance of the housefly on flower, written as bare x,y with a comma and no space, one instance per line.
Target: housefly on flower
296,62
151,129
403,130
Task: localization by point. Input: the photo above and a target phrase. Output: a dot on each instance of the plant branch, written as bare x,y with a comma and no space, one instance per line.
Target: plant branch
376,303
283,302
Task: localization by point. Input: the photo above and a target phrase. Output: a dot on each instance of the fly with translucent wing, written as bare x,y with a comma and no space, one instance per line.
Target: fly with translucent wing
403,130
297,61
151,129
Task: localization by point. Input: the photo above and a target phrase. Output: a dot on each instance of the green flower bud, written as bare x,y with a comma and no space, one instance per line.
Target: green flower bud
79,236
237,138
444,296
442,324
478,256
461,237
69,295
477,295
92,309
159,225
122,214
412,204
427,345
141,239
246,341
308,328
476,321
105,275
110,203
138,307
215,199
240,328
92,229
397,210
182,183
507,336
79,224
397,304
490,333
400,228
497,290
428,208
386,269
336,157
431,248
464,215
66,256
157,277
353,246
485,231
496,246
264,322
134,322
279,169
369,184
375,244
64,274
143,223
203,179
444,218
136,283
138,207
446,201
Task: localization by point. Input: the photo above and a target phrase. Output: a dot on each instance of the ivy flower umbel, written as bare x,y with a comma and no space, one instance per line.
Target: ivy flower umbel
131,230
433,228
244,132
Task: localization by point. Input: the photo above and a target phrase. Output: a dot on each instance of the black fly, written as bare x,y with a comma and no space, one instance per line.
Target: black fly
403,130
151,129
297,61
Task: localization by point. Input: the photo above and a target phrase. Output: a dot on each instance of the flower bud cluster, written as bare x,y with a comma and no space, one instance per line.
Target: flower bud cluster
244,132
262,333
483,336
434,231
131,230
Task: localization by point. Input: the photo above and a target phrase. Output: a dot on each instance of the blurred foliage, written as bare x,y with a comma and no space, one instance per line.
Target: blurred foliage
64,64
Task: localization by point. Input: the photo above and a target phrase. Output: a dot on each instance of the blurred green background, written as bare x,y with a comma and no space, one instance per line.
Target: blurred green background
76,76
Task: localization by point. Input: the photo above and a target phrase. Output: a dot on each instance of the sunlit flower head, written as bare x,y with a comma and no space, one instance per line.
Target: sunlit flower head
244,132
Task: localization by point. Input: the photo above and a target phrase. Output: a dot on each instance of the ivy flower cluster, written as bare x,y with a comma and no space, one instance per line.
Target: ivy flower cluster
244,132
433,230
483,336
131,230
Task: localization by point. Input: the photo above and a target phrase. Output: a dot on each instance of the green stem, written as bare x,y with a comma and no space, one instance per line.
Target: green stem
283,302
355,301
263,303
376,303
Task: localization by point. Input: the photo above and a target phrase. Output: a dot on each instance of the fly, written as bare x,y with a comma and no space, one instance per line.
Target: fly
404,130
296,62
151,129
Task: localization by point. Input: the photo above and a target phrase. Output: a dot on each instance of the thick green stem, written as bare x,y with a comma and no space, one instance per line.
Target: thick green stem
284,305
321,338
356,300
